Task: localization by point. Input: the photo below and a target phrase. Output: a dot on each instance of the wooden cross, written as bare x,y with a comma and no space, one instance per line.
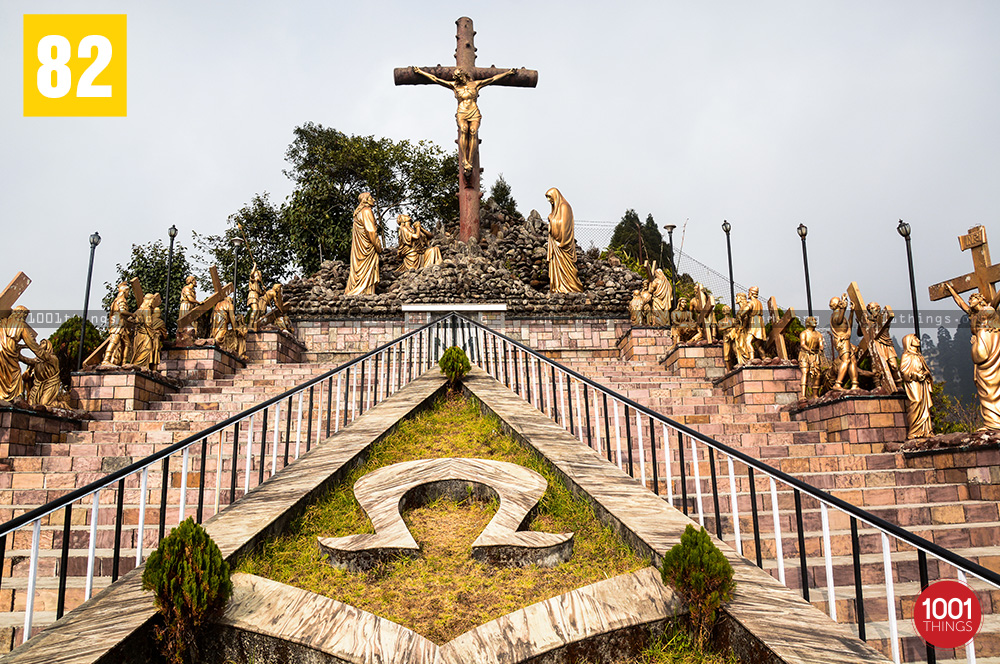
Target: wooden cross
778,327
869,335
465,58
209,304
13,291
983,275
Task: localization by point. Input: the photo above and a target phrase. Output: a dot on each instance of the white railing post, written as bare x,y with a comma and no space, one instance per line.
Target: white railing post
93,544
562,402
184,484
597,425
276,439
143,484
298,428
642,451
618,435
669,463
218,470
734,504
249,455
828,559
970,647
697,481
336,420
890,598
579,413
29,607
778,551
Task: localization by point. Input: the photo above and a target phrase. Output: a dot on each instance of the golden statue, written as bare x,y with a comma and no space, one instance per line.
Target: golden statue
14,335
743,342
755,319
879,320
189,302
682,323
119,349
728,331
414,241
43,370
702,306
366,246
810,354
280,318
223,321
840,328
468,116
150,330
255,297
663,296
986,358
635,312
917,382
973,307
562,246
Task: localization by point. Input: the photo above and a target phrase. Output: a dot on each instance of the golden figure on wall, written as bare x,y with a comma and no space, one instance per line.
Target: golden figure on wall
255,297
189,301
846,362
223,322
562,246
414,245
635,309
918,385
150,330
986,358
810,356
878,320
682,323
119,349
663,295
43,372
366,245
756,335
468,116
14,335
743,342
728,332
702,309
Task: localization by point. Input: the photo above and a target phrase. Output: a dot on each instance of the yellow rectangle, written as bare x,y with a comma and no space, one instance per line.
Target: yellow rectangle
75,65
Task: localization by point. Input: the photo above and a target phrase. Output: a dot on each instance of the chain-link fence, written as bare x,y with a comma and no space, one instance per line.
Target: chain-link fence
597,234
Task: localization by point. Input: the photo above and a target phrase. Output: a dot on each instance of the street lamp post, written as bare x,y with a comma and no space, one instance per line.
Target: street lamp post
172,232
670,234
802,231
904,229
726,227
237,243
95,239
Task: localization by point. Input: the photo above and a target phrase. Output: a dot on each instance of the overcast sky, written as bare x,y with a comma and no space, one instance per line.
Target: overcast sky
845,116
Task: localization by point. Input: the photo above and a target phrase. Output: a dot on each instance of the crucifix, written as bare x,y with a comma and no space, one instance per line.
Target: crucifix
778,327
870,336
983,276
466,79
209,304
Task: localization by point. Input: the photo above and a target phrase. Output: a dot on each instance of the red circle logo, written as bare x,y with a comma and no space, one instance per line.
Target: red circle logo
947,614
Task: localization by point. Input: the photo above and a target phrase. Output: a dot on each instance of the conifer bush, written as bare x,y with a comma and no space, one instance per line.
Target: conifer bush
190,582
699,571
454,364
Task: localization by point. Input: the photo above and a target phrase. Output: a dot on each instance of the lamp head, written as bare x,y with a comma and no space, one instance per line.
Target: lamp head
95,239
903,229
172,231
802,230
726,227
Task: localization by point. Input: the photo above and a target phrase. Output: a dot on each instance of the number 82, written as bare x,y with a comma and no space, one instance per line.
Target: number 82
54,54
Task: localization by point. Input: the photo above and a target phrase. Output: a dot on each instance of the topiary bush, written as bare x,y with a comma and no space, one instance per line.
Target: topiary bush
454,364
699,571
190,582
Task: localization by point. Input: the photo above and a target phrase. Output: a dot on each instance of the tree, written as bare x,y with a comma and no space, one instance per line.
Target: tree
149,264
330,169
642,241
500,193
65,344
262,225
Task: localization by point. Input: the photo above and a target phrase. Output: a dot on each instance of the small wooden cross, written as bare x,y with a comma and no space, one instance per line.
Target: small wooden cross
140,296
984,274
868,336
778,327
9,295
209,304
465,58
700,324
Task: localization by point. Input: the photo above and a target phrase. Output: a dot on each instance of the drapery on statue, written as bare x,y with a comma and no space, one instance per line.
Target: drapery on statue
728,332
14,335
846,362
43,371
663,298
742,341
150,331
255,297
562,246
879,319
468,116
702,308
810,352
414,246
986,358
189,298
366,245
119,348
757,338
917,382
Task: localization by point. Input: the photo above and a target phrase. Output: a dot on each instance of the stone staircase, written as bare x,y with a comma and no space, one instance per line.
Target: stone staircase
907,492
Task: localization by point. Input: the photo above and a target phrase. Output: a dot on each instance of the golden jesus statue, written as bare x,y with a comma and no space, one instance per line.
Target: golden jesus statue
468,115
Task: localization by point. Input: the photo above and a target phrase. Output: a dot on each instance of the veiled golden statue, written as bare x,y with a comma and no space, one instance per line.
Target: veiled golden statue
663,296
119,349
366,245
150,330
986,358
255,297
918,385
468,116
846,362
43,370
189,301
414,245
562,246
742,340
635,309
810,355
682,322
14,335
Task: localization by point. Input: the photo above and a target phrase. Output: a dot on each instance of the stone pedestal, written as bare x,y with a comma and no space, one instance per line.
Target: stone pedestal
764,384
103,392
22,430
868,420
199,362
978,468
701,361
273,347
645,343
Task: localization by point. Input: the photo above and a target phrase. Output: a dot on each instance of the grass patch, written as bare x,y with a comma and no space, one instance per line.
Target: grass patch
444,592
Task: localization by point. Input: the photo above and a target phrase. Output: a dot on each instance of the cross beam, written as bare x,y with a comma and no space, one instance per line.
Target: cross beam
9,295
984,274
209,304
469,193
778,327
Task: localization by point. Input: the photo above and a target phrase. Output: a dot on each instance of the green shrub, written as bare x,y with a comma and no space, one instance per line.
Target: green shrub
190,582
699,571
454,364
